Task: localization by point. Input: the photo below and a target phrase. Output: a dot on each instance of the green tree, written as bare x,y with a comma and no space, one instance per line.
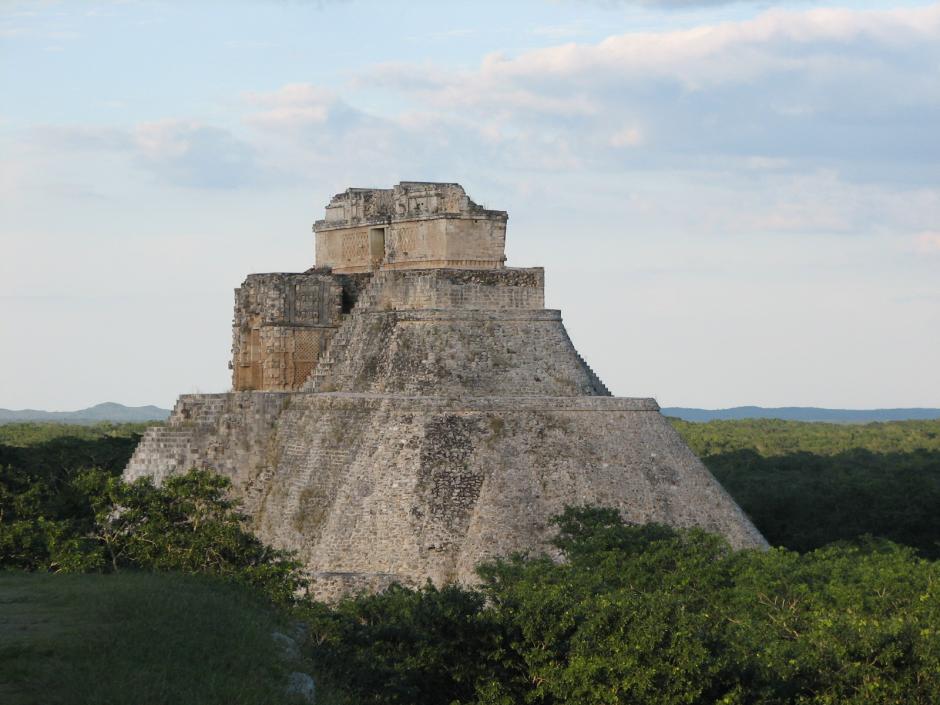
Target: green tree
652,615
414,647
853,625
45,516
806,485
628,617
189,525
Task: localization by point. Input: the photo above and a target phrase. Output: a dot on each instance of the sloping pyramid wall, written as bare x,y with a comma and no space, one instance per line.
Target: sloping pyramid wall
450,418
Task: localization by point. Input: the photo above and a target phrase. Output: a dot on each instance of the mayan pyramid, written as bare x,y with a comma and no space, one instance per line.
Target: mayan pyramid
408,407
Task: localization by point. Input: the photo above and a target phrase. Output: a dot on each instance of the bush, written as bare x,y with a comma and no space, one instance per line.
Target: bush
407,646
45,515
648,614
64,508
189,525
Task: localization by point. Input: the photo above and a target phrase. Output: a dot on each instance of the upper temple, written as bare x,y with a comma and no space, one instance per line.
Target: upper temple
414,225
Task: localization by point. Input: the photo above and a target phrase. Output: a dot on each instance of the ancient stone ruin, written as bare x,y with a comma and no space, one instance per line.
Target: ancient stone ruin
408,407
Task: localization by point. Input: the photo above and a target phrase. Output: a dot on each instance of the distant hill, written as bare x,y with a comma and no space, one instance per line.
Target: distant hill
802,413
109,411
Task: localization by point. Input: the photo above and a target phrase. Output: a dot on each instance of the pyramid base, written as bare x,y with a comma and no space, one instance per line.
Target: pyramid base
374,489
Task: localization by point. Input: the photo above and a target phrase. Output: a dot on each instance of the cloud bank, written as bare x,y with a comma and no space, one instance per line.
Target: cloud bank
830,114
760,197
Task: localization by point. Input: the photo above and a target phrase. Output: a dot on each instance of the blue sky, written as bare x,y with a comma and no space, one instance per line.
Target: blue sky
735,203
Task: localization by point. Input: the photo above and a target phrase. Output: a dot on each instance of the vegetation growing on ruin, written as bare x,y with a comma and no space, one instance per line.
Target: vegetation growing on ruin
636,614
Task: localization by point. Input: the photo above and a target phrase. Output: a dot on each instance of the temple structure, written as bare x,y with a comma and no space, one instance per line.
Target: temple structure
415,225
408,407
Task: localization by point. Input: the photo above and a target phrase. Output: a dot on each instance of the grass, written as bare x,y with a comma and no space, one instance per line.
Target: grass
136,638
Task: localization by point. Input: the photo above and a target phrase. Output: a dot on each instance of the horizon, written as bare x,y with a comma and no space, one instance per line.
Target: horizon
736,203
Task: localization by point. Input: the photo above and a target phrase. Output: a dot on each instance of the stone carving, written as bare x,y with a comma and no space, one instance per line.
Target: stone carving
282,323
415,225
409,421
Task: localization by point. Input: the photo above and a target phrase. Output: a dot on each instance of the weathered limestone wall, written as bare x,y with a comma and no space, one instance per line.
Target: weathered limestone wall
415,225
344,250
372,489
414,244
408,199
450,242
282,324
429,488
454,332
441,352
457,289
233,434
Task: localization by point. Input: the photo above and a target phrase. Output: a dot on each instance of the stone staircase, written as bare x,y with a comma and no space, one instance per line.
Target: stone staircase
326,363
202,409
164,451
326,367
180,445
369,296
326,376
596,384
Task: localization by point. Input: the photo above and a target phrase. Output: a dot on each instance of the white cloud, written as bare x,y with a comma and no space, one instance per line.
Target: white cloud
855,91
290,95
181,152
627,137
294,106
711,54
191,154
793,100
164,140
928,243
811,112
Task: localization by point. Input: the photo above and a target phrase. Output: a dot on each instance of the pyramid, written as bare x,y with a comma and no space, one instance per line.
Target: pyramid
408,407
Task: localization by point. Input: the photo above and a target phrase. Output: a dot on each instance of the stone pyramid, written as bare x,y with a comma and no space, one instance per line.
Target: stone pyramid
409,407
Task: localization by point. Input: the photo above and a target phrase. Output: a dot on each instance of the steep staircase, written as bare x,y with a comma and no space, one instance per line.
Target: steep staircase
596,384
201,410
326,367
176,447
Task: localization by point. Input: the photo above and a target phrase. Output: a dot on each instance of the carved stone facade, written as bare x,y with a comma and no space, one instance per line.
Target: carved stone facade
406,422
415,225
282,323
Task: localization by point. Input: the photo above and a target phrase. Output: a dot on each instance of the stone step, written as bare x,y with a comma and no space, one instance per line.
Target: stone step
335,351
595,380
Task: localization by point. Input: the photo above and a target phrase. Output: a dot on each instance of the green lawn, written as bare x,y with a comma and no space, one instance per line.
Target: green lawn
135,639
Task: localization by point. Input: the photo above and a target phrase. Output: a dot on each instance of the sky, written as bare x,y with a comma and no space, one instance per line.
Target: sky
735,202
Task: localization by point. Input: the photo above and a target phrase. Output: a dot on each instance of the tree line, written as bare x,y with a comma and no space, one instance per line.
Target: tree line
806,485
